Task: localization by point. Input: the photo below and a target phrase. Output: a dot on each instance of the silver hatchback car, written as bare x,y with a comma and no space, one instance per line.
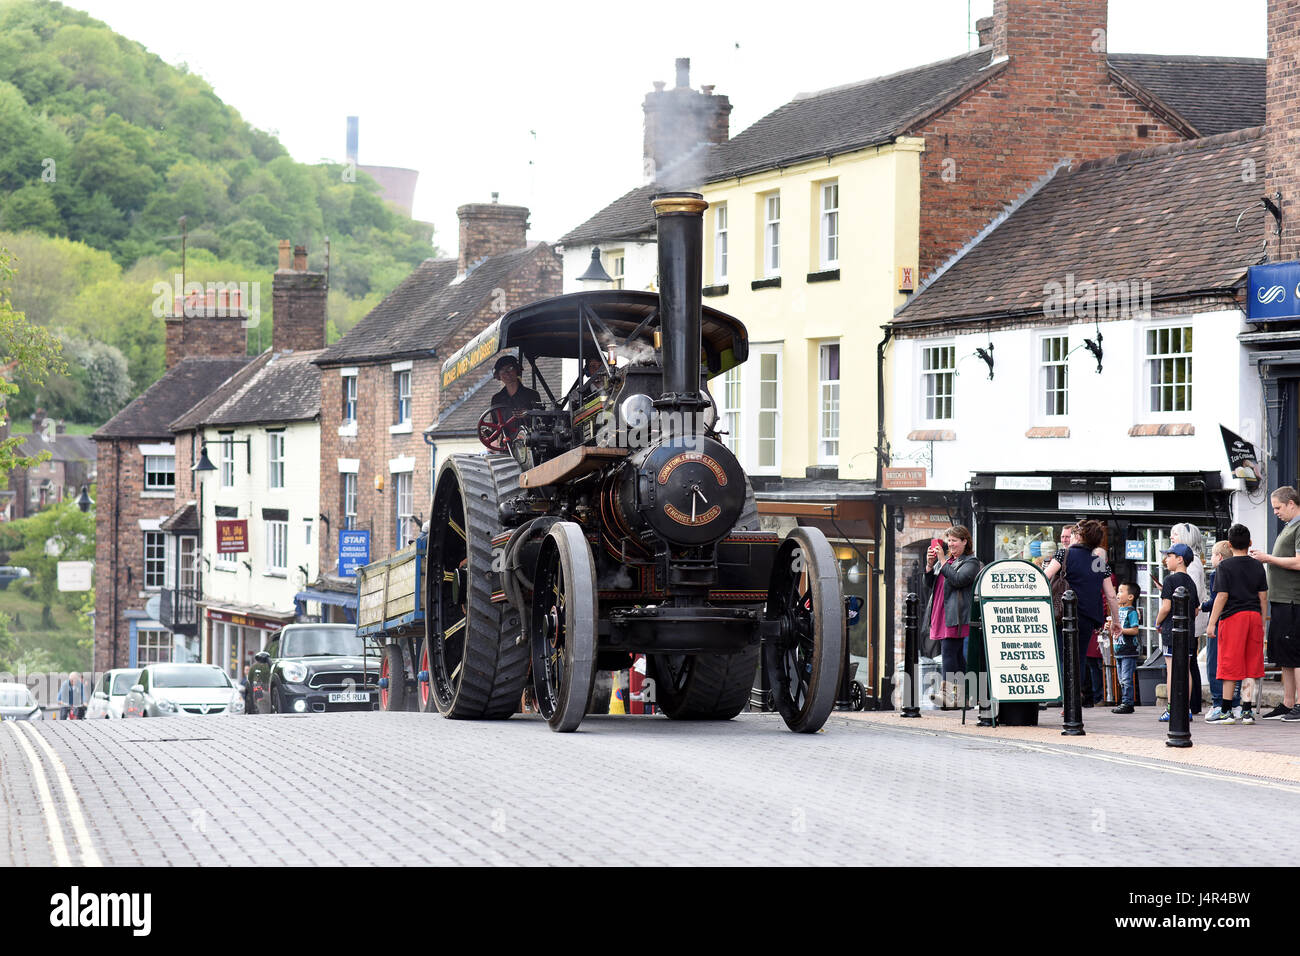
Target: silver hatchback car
171,690
17,703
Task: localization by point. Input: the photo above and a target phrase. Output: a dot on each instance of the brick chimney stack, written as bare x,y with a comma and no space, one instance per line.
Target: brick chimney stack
489,229
298,298
1062,38
678,120
207,323
984,27
1282,123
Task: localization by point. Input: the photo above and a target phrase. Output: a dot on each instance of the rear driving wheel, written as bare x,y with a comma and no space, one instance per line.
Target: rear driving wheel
474,653
563,627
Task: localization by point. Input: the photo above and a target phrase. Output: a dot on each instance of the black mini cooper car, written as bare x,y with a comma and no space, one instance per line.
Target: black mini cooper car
313,668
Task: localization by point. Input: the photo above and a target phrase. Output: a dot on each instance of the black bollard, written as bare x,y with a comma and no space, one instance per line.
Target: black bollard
1180,733
911,652
1073,724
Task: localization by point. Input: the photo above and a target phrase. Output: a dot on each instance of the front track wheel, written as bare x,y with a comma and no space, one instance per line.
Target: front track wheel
803,664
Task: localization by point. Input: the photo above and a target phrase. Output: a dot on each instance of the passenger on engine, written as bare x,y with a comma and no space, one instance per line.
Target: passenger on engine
595,379
516,395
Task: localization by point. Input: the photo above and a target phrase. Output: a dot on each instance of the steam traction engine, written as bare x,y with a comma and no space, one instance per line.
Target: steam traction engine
612,521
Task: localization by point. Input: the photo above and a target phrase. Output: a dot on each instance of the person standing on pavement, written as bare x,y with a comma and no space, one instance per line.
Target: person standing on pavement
1177,557
1088,575
1222,551
1126,645
1237,622
950,603
1190,535
1283,570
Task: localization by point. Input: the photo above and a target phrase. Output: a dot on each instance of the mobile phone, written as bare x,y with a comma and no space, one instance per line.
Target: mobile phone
938,544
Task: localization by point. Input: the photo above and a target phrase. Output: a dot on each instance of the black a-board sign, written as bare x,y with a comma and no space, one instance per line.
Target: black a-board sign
1019,632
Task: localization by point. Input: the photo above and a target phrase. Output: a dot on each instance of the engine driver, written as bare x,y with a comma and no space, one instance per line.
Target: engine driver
515,396
595,379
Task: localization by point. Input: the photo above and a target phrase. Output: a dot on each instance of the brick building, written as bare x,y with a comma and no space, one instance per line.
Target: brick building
142,474
149,514
1043,88
59,478
380,382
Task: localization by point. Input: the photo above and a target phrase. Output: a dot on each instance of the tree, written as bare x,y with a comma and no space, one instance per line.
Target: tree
25,349
59,533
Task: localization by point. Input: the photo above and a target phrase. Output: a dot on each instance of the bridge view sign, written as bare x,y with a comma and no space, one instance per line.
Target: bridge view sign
1019,632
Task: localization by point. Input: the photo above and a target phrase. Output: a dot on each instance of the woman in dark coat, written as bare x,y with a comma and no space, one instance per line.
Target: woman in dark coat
948,612
1088,576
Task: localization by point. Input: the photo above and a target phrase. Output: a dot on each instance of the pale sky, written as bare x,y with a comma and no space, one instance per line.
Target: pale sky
541,102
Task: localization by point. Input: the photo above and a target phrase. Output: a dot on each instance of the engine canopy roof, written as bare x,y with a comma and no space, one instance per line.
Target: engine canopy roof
550,328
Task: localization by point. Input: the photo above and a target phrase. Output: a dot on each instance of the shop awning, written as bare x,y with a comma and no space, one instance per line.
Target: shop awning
340,598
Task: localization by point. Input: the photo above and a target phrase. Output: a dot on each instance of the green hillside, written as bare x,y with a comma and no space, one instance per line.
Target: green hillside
103,147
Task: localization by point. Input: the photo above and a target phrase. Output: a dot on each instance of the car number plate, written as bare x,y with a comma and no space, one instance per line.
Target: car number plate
349,698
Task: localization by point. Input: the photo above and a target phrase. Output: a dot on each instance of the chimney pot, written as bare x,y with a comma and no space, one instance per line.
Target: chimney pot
284,254
496,197
299,258
659,86
683,72
707,90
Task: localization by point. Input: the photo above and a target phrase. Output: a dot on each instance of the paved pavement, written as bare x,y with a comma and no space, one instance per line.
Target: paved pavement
416,789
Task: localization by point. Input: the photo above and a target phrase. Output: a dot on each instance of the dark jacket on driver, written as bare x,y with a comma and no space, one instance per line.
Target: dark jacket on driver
523,398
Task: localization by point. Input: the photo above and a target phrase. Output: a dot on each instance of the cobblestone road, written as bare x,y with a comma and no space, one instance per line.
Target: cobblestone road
415,789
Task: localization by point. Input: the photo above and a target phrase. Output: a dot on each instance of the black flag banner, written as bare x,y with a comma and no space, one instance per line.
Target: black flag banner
1242,460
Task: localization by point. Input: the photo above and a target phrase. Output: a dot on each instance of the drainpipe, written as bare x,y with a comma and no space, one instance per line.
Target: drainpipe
884,695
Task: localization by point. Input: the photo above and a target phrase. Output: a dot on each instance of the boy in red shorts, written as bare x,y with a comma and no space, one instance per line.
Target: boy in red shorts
1237,622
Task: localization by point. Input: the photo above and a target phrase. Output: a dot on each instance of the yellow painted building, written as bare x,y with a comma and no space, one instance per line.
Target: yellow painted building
809,257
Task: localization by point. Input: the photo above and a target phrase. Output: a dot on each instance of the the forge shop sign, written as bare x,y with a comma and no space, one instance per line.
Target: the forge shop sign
1019,632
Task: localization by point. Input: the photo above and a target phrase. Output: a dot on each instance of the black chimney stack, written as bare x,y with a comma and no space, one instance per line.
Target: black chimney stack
680,219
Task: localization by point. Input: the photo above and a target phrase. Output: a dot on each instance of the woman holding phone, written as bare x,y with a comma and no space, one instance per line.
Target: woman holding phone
954,569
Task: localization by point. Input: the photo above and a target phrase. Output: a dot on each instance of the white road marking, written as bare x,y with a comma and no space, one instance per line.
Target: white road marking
47,804
88,855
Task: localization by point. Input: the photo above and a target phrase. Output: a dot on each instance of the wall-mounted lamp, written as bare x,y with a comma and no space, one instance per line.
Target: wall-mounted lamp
1095,349
900,519
595,272
84,501
379,482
